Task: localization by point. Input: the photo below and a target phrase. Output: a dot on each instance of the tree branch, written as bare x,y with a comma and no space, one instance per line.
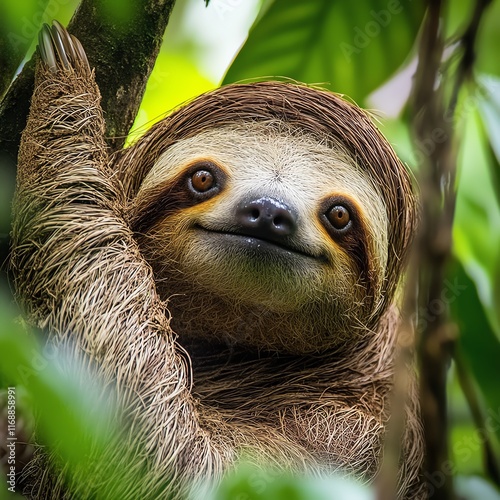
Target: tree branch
434,243
433,247
123,53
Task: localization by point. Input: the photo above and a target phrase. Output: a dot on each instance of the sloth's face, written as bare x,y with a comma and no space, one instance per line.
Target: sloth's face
264,220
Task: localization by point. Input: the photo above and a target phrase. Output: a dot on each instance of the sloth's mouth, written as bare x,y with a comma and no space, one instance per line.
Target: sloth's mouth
257,243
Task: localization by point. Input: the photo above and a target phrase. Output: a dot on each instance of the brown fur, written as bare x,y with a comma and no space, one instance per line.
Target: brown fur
80,273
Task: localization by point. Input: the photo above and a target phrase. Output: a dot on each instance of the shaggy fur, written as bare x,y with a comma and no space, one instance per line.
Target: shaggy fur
81,274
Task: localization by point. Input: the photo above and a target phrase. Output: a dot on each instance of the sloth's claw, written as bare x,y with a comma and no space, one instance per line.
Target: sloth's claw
80,51
57,40
46,49
60,50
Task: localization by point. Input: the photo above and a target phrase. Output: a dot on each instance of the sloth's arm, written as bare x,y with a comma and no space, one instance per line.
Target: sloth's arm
79,273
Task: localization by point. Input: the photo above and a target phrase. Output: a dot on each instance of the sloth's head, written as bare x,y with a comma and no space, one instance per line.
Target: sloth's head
273,215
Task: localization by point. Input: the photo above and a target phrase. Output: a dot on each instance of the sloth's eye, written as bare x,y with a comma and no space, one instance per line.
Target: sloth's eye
202,181
338,216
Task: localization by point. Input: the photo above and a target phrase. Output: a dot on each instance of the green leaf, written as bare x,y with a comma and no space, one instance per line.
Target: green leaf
458,14
256,484
21,21
489,40
354,47
465,448
397,132
478,344
476,230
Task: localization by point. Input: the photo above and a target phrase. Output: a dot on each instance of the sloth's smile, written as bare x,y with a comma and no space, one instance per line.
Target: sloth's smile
260,245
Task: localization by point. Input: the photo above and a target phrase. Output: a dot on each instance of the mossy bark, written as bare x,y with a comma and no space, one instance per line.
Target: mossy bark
122,51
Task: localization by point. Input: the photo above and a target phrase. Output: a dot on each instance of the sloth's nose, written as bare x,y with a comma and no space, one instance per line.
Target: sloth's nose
266,218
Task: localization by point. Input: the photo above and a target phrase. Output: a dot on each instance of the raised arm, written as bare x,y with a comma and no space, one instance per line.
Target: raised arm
79,273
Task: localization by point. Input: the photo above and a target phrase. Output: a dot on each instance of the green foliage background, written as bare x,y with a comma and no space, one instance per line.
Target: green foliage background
366,50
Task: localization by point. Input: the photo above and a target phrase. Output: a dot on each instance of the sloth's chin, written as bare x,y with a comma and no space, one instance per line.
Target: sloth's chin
243,269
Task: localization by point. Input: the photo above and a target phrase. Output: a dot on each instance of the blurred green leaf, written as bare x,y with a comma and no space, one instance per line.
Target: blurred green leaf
476,235
489,40
19,23
490,113
457,16
489,108
74,423
476,230
77,421
22,20
354,47
174,80
478,344
466,449
74,416
475,488
397,133
255,484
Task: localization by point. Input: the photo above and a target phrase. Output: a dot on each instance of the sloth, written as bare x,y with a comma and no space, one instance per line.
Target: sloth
233,275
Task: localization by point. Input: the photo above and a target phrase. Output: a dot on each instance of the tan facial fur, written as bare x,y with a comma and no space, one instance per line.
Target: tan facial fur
261,160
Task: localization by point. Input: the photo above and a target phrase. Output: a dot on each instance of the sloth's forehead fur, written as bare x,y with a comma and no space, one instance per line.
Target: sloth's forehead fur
272,160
